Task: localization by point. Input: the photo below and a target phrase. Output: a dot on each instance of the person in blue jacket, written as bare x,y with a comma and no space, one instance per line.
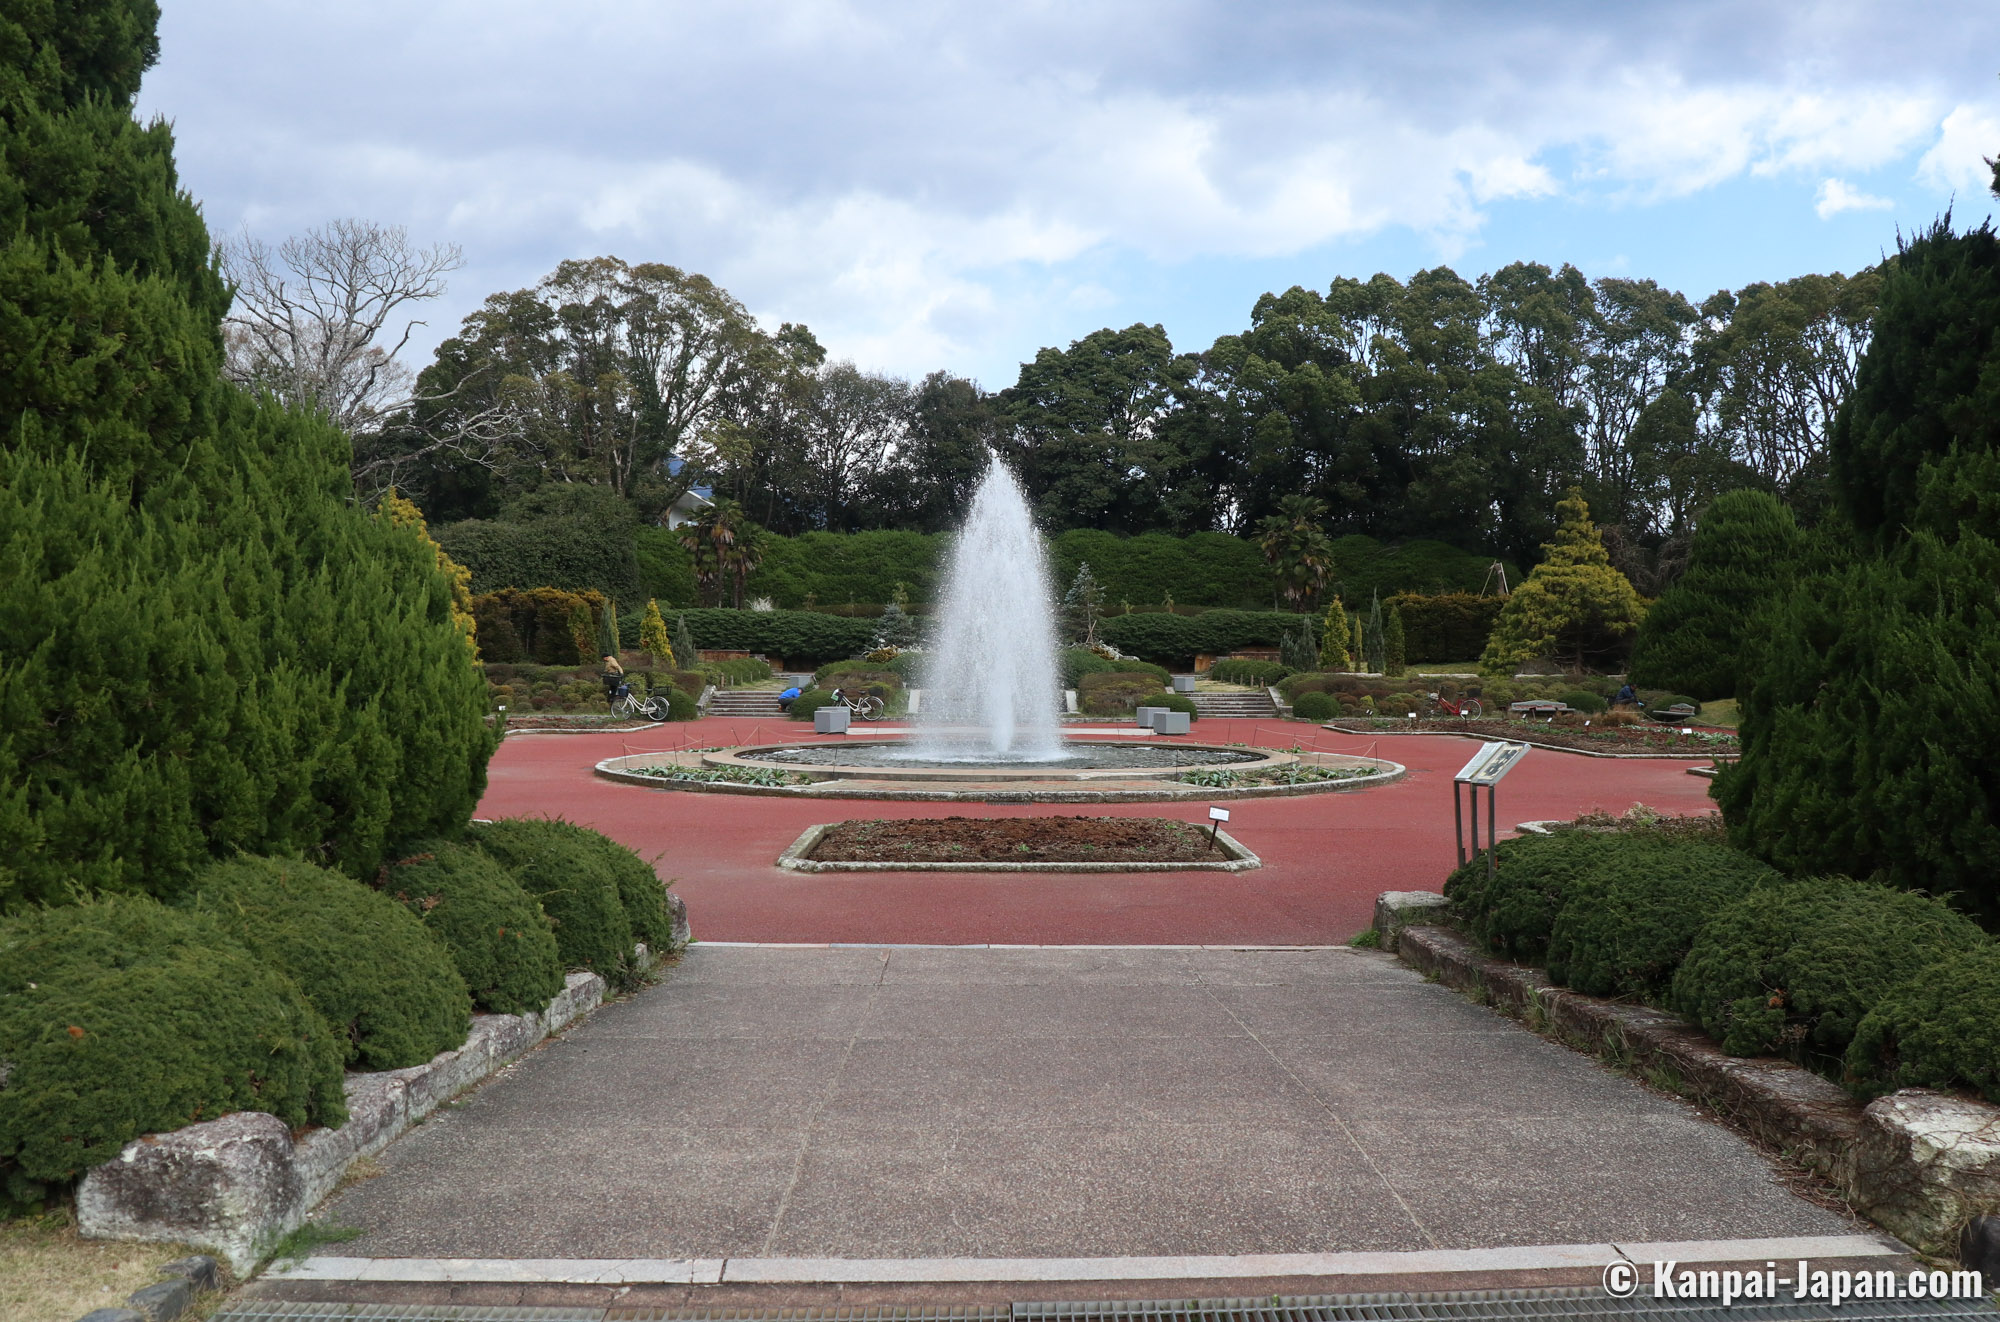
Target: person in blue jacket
785,698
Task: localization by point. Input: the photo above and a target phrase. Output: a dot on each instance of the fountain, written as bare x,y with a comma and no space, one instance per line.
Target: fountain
991,689
991,722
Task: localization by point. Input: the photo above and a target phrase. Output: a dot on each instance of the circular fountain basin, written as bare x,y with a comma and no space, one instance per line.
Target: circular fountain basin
895,759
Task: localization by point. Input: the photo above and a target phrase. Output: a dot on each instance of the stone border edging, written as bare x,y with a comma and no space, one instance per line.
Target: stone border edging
794,860
1178,794
1919,1163
186,1280
238,1184
1553,748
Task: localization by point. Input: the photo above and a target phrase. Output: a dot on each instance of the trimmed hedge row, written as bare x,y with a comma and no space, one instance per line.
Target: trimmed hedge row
1175,640
501,942
1451,626
1231,670
794,637
1868,984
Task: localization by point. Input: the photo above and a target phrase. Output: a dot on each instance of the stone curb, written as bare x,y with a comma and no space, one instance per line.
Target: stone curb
1921,1164
1178,795
794,859
239,1184
1551,748
187,1279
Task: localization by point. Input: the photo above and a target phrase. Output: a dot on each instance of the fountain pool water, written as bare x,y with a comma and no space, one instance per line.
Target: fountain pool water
992,692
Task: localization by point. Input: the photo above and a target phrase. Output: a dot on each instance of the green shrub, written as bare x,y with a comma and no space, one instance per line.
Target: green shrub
808,702
1175,702
1231,670
1316,681
795,637
124,1017
1534,875
1315,706
1117,693
575,889
1585,701
681,705
1076,662
517,626
498,936
639,889
381,983
1938,1030
1628,923
1793,969
856,676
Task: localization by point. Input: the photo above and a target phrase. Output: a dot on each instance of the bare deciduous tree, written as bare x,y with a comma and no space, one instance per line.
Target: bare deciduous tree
315,322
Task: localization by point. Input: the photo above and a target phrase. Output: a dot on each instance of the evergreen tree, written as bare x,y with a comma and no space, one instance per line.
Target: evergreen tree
1371,637
653,636
1869,723
1298,650
207,647
685,654
1574,607
1356,648
1394,645
403,513
1696,639
1082,607
1334,639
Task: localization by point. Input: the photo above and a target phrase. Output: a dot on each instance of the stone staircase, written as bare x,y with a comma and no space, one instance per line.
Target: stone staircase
1254,704
755,703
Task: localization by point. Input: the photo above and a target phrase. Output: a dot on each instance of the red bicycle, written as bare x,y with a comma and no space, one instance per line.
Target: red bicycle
1466,709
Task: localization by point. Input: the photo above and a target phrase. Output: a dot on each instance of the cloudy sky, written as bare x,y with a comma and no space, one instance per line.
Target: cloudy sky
956,185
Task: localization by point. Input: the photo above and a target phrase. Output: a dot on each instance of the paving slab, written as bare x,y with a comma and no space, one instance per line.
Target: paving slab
901,1104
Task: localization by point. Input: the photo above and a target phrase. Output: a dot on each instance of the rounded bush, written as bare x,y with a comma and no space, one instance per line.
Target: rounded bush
123,1017
365,962
640,891
1584,700
1940,1029
681,705
1232,670
1180,702
576,891
1793,969
808,702
1515,910
498,936
1627,925
1313,705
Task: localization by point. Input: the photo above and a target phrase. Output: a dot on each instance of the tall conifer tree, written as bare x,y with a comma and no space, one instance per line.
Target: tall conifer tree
205,646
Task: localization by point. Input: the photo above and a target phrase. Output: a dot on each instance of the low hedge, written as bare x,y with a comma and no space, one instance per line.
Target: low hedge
1584,700
390,992
1940,1029
1313,705
739,670
1793,969
500,940
1626,926
578,893
681,705
1235,670
122,1017
808,702
1175,702
639,888
795,637
1117,692
1534,875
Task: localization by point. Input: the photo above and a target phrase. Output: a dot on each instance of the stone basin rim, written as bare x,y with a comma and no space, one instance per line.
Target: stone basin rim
1261,759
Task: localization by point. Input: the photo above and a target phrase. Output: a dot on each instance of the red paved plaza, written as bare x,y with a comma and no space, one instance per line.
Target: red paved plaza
1325,856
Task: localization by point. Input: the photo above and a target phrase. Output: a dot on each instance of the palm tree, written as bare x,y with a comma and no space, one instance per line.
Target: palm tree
726,546
1298,551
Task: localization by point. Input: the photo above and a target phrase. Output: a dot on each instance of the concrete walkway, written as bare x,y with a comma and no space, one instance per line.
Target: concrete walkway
929,1103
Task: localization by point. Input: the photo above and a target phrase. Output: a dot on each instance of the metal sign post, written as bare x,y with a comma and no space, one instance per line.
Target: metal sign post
1487,766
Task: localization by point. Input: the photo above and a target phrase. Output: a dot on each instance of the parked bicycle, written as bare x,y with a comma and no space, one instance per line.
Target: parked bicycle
865,705
653,706
1465,709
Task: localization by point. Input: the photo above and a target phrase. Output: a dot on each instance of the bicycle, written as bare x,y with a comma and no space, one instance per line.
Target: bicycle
653,706
867,706
1466,709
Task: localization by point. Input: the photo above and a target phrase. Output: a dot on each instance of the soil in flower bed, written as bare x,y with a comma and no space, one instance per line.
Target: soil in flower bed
1016,840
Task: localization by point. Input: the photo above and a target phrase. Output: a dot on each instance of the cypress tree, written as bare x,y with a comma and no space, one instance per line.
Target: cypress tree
1333,639
1869,723
653,635
1371,637
1696,638
205,646
685,654
1573,606
1394,645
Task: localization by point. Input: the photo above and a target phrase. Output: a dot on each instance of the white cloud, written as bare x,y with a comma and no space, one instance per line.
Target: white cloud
933,183
1957,163
1837,195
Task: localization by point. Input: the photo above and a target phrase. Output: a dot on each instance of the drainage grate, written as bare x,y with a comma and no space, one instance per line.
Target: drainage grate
1580,1304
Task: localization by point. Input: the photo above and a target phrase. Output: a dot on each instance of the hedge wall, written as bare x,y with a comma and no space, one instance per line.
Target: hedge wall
836,568
800,637
516,625
567,535
1175,640
1451,626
